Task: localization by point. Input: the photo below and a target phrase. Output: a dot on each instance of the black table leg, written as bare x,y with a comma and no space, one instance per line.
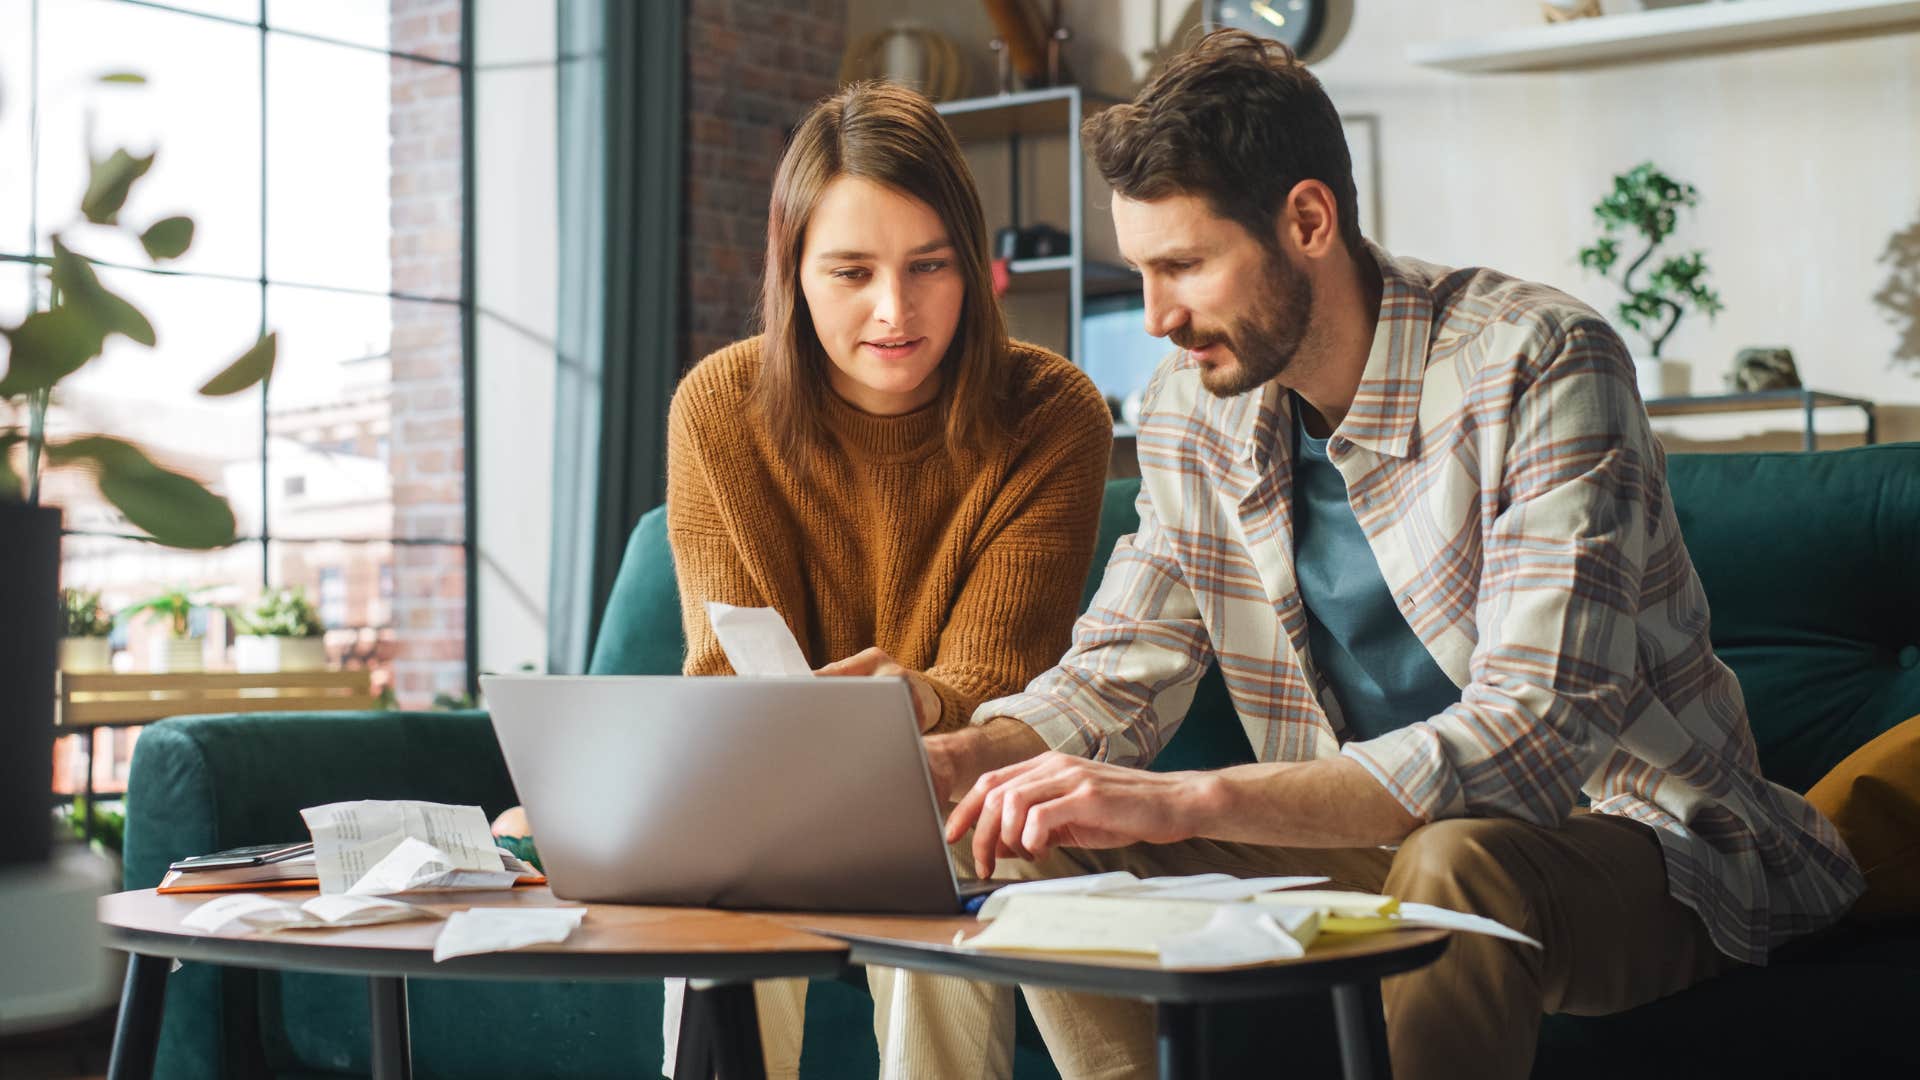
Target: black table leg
392,1056
143,998
1182,1036
693,1057
1362,1025
733,1024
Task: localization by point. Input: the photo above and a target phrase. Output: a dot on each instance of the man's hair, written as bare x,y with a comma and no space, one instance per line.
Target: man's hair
894,137
1237,120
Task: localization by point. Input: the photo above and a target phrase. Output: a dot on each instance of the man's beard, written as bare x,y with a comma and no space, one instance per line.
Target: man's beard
1261,347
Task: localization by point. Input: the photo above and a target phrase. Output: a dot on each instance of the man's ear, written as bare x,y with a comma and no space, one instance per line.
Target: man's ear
1309,219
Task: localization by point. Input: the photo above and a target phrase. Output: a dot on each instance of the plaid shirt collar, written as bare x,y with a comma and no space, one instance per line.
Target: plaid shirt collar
1386,404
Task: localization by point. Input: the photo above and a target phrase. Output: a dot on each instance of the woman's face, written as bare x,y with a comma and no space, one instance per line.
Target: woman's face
881,281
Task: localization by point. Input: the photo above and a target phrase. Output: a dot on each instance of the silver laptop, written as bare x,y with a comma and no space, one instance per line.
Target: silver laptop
759,793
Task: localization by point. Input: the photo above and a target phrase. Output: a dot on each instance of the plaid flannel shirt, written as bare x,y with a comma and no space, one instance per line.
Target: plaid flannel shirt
1501,464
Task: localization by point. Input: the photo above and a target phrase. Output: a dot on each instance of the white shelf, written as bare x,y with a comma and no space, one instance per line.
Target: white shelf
1716,26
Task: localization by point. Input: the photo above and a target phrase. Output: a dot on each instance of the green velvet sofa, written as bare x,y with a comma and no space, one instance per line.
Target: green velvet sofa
1812,564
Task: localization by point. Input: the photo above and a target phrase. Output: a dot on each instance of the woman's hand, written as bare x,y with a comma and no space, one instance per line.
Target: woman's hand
512,823
875,661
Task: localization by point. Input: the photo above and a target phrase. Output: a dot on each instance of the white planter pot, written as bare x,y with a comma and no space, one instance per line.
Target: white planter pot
1663,378
257,653
86,655
180,654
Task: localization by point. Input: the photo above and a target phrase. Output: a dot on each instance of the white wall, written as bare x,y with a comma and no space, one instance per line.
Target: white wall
1807,159
517,258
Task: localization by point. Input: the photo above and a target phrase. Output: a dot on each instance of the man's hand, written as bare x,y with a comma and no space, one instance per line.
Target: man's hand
1028,809
512,823
875,661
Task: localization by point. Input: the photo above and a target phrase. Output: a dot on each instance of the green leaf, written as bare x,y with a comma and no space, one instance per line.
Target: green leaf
10,487
82,291
255,365
47,347
168,238
107,188
172,508
133,77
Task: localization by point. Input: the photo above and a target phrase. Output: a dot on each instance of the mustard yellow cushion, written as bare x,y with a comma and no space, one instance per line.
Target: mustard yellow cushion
1873,798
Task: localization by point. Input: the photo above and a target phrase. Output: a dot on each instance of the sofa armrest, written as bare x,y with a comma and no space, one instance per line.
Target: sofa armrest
202,783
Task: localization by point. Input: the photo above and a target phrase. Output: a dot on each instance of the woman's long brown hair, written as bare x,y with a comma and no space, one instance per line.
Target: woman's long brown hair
892,136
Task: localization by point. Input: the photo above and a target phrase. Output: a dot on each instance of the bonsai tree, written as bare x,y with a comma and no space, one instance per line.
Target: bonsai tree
82,615
280,613
1646,201
175,607
1899,295
52,344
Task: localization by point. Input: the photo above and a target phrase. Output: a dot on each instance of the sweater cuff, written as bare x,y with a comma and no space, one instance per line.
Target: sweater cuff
954,706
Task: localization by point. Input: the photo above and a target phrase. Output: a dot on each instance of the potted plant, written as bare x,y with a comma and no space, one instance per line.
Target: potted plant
47,346
84,632
281,633
181,651
1646,201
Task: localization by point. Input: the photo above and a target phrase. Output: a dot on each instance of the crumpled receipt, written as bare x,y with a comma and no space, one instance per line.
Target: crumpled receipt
411,844
756,640
498,929
252,911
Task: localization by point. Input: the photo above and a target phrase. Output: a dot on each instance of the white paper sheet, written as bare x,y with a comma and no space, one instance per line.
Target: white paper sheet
756,640
1091,923
1122,883
1347,905
414,866
1242,934
483,930
1428,915
251,911
349,838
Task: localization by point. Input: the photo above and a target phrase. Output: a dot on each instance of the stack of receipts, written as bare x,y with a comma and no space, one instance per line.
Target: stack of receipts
380,848
1200,921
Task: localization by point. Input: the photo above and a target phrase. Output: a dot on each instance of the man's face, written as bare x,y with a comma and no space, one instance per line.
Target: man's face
1237,306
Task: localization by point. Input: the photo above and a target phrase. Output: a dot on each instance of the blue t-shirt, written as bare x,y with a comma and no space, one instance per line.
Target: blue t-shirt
1382,675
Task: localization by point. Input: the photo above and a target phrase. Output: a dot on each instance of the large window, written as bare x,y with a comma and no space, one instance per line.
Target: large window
320,147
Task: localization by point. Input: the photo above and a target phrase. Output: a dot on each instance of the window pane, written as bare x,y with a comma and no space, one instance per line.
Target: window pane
199,111
366,430
149,396
421,27
16,158
248,10
399,609
364,193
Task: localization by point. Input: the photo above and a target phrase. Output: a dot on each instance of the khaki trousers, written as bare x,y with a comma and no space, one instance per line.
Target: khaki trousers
1593,892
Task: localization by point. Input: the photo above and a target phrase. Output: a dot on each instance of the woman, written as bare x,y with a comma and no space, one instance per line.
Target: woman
915,494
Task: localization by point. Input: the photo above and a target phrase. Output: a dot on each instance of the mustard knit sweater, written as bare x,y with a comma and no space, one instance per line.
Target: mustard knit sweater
969,573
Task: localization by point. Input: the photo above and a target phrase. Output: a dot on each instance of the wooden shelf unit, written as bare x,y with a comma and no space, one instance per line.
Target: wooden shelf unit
1668,33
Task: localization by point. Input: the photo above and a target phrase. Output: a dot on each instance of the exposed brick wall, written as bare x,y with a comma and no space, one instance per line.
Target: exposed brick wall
753,68
427,451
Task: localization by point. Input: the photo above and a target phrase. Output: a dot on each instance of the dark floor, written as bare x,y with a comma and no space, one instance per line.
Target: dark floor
77,1051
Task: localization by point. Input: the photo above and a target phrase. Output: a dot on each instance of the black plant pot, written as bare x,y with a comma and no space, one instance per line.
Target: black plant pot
29,643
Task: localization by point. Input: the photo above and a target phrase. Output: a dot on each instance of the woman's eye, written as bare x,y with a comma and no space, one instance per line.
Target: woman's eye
930,266
850,273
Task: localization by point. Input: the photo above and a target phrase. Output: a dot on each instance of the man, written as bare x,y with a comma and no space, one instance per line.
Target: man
1418,517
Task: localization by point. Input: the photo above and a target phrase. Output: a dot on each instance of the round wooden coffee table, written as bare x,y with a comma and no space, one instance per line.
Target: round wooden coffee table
614,941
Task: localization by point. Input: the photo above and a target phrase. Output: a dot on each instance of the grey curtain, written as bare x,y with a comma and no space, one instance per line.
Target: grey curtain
621,92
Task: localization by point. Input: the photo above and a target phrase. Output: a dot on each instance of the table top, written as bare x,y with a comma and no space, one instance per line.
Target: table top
926,943
622,941
614,941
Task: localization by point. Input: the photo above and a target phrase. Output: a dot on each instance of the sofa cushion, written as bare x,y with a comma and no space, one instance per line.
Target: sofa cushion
1811,563
1873,798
